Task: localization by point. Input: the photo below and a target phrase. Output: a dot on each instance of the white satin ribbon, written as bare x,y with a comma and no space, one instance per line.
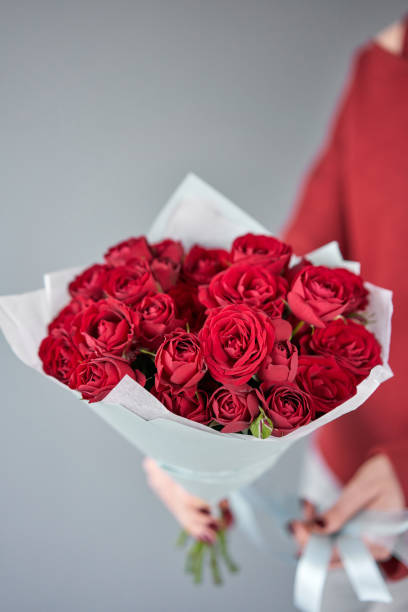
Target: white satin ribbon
312,568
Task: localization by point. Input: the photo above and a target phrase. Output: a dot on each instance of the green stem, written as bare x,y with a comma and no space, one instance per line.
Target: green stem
182,539
147,352
198,563
297,329
222,539
214,566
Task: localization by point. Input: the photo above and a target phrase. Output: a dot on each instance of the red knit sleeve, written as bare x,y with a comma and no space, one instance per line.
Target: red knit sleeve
319,215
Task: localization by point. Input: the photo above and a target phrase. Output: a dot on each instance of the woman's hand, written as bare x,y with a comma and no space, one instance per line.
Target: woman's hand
193,514
373,487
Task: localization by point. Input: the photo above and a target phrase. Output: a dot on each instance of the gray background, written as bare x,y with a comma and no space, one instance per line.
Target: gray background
104,108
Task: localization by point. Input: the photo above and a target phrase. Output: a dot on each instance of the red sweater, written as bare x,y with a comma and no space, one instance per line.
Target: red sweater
357,194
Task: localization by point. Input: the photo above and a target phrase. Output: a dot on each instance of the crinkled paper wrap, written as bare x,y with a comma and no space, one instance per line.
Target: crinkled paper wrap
210,464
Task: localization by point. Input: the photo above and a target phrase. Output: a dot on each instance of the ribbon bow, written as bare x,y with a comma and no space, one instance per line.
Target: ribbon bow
312,568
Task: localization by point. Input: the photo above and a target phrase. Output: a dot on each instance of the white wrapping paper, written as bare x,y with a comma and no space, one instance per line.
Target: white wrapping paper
209,463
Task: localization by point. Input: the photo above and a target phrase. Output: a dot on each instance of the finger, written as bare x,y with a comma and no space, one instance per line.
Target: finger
379,552
227,517
335,564
335,560
357,494
301,534
309,509
199,532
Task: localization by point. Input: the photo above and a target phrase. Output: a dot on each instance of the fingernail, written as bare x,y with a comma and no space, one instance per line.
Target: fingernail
213,525
319,521
228,517
289,527
204,510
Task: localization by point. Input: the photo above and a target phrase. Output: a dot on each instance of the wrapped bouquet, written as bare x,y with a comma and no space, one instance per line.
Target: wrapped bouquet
208,344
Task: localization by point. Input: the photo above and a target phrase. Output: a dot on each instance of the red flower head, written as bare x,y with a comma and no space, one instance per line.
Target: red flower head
261,250
235,340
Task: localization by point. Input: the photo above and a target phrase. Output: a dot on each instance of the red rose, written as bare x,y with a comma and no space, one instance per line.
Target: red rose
292,272
358,294
168,249
180,363
261,250
124,252
67,314
193,407
325,381
351,344
166,262
281,364
188,307
235,340
157,317
59,355
96,377
319,294
131,283
89,284
246,284
201,264
235,410
106,326
288,407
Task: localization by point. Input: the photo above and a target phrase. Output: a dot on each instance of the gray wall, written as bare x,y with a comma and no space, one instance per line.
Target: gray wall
104,107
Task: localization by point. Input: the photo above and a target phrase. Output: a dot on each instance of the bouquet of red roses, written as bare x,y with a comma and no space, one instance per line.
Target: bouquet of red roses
209,345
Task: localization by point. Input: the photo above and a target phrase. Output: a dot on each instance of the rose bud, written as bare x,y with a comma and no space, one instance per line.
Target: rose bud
129,284
201,264
180,363
107,326
96,377
319,294
89,284
157,317
129,250
246,284
262,426
288,407
190,406
261,250
327,383
59,355
281,364
235,340
354,347
235,410
67,314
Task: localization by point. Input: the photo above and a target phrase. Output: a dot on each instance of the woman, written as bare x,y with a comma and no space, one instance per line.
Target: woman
357,194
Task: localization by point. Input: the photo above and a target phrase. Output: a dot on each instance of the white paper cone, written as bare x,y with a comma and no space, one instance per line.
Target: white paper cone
210,464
